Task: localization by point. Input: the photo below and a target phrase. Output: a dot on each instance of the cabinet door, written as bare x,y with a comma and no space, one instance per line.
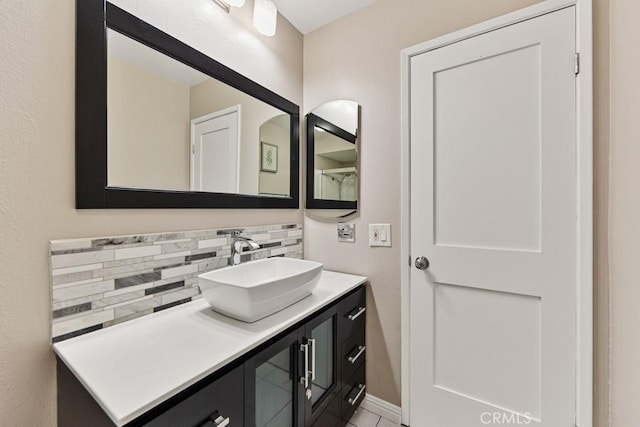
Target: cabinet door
272,395
320,334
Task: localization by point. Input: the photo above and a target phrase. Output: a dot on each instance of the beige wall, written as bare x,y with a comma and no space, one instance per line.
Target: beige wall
37,167
358,57
147,128
625,213
601,212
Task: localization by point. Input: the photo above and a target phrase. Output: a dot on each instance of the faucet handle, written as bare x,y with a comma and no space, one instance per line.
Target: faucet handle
233,232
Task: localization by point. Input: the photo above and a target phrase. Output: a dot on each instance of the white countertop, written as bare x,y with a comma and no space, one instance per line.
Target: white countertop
134,366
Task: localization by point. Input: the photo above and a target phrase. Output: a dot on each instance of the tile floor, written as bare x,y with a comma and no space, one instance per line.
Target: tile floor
364,418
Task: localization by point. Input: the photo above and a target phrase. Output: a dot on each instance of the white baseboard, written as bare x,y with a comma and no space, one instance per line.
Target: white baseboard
381,407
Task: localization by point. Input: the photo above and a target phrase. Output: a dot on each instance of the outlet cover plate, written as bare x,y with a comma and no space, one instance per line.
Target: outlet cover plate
380,235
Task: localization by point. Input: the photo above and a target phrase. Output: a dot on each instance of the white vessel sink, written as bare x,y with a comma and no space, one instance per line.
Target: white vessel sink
257,289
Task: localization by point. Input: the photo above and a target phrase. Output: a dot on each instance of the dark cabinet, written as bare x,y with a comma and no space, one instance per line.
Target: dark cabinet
218,404
215,401
312,374
294,380
351,326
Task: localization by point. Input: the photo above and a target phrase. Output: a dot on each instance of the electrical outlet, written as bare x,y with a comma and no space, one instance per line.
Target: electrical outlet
346,232
379,234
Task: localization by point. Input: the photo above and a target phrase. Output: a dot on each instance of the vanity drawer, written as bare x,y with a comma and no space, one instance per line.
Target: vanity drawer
331,417
352,313
353,392
353,353
208,407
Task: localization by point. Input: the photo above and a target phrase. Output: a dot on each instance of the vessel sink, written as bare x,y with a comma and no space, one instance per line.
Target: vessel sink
257,289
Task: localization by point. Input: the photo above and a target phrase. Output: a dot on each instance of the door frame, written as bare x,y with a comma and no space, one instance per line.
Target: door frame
192,142
584,133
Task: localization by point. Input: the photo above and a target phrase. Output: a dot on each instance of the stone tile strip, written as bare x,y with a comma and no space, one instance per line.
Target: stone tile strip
100,282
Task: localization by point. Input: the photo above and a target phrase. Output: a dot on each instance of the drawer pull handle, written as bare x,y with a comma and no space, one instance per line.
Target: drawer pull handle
352,400
216,420
352,359
360,311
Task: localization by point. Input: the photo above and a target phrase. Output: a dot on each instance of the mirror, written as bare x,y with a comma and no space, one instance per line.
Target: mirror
159,124
172,127
332,158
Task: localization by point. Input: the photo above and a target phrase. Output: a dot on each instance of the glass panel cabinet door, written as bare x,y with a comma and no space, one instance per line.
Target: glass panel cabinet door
321,338
323,346
293,381
272,394
274,391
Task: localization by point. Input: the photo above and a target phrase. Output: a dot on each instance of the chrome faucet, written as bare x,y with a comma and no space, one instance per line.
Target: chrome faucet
237,243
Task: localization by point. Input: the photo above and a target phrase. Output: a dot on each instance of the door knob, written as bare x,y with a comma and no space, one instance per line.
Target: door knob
422,263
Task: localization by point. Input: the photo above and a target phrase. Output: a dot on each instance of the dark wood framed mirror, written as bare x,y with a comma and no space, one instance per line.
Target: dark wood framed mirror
100,184
332,157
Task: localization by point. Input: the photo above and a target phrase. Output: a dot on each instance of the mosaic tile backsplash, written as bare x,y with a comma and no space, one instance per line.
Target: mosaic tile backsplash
97,283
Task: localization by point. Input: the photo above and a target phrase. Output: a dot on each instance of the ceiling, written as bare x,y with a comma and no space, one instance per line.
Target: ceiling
309,15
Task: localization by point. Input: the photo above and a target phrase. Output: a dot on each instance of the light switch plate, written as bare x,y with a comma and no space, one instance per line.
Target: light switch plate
346,232
380,235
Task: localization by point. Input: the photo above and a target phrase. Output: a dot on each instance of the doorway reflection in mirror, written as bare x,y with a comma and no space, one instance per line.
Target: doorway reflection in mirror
171,127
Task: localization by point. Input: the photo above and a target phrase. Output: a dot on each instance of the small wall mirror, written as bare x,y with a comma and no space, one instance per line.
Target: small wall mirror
332,158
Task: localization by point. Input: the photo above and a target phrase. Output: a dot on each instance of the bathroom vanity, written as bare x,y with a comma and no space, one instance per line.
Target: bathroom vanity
190,366
134,348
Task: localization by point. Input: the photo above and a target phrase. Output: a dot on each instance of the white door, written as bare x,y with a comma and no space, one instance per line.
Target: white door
493,209
215,146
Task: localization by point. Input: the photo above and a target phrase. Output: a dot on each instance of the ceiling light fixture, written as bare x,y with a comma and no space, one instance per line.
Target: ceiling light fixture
226,4
265,17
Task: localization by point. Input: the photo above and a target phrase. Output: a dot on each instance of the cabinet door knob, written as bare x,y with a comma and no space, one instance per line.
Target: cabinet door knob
221,421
